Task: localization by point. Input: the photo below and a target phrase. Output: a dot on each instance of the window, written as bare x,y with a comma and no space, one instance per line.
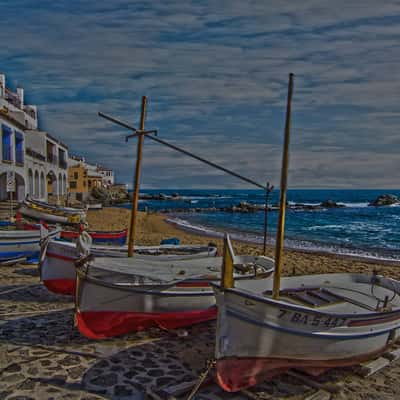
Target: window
90,184
72,185
76,175
19,147
6,141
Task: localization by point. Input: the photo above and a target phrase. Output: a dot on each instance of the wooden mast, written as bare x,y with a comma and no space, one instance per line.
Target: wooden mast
282,202
227,280
268,189
136,182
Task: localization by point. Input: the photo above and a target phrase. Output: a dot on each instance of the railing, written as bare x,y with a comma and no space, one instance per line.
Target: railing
13,98
35,154
51,158
30,111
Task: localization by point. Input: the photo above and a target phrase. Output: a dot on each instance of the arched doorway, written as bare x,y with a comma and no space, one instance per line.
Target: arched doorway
60,185
36,190
30,183
19,193
51,184
65,184
42,186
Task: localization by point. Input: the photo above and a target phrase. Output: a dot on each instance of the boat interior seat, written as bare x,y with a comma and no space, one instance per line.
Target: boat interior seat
318,297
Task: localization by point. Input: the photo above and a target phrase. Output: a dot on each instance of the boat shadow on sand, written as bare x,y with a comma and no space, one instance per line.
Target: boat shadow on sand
44,352
33,292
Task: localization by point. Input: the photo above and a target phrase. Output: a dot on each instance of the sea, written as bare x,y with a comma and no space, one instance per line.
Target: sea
356,229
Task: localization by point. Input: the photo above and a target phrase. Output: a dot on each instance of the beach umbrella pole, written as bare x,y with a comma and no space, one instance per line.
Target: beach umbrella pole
280,233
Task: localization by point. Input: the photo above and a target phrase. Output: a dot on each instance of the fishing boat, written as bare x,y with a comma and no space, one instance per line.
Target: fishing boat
310,322
94,206
54,214
99,237
117,296
318,322
15,244
57,266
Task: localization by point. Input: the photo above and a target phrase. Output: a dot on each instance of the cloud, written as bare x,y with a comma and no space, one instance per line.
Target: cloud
215,74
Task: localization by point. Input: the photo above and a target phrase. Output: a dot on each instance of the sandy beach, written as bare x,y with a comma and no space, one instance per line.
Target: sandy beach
42,355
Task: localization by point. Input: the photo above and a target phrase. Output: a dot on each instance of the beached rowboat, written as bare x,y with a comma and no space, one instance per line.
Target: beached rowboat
58,272
116,296
53,214
319,322
98,237
16,244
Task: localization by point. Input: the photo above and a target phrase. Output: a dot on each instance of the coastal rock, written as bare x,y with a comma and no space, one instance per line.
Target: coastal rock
101,194
385,200
331,204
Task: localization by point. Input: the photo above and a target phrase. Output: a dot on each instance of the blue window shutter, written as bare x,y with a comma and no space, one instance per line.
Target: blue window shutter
19,147
6,141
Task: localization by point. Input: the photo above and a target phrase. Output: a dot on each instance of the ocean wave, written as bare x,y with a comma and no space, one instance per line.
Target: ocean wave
389,254
354,205
322,227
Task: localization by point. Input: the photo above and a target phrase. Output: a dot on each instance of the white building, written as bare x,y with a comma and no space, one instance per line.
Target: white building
38,160
46,166
15,117
107,175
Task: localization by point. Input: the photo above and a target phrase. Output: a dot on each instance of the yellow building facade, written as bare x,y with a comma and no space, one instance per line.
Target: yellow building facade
78,181
82,179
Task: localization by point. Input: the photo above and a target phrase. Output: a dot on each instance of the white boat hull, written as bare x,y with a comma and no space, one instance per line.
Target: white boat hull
280,336
58,272
52,214
110,302
17,243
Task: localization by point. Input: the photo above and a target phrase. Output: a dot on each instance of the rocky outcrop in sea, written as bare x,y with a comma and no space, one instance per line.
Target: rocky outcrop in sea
385,200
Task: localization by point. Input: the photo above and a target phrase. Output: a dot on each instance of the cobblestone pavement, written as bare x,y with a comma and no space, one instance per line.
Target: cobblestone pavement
42,355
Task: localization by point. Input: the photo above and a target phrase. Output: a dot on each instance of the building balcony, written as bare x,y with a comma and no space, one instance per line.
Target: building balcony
13,98
34,154
63,164
52,159
30,111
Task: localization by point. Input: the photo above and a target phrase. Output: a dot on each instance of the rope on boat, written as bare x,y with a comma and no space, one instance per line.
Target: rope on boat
202,378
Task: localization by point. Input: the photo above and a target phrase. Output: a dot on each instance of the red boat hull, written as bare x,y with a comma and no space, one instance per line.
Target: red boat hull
234,374
61,286
104,324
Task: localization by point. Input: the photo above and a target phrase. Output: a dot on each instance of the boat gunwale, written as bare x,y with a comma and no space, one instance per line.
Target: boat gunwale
300,308
157,292
85,276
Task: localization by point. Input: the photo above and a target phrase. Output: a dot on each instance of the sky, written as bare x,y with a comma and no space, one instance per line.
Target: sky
215,74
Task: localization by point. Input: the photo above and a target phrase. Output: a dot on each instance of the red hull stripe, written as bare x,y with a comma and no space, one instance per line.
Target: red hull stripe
60,257
61,286
104,324
373,321
95,235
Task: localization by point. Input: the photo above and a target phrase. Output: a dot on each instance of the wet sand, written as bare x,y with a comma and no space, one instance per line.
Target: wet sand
42,355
